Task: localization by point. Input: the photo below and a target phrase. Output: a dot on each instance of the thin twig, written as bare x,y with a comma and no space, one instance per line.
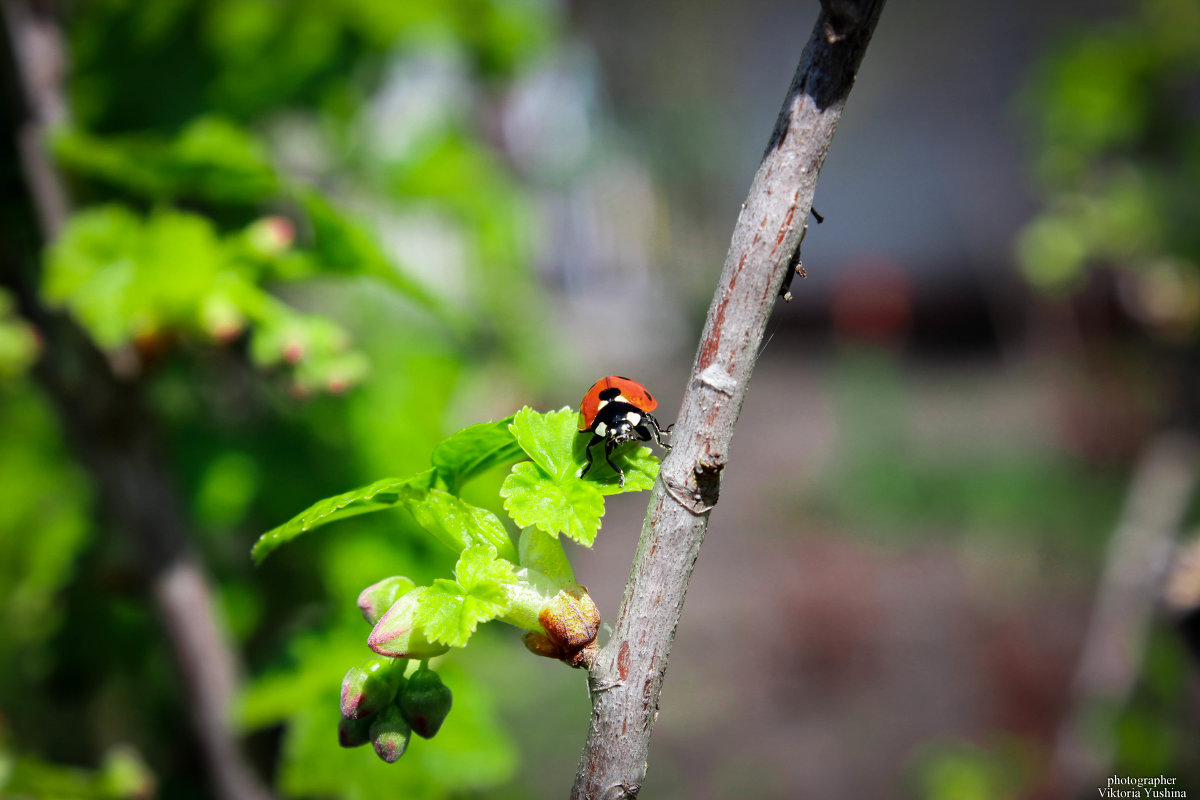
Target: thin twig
109,424
765,240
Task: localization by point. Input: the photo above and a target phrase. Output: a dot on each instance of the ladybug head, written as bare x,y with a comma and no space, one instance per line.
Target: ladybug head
621,430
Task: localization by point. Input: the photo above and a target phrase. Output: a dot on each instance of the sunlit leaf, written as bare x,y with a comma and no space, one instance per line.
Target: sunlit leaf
548,438
475,449
636,461
543,552
482,573
450,611
569,506
454,522
450,615
381,494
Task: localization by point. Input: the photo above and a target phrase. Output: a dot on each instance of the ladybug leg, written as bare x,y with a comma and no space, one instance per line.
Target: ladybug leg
649,430
609,446
588,450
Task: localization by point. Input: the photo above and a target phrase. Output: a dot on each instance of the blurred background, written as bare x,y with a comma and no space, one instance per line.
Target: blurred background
256,253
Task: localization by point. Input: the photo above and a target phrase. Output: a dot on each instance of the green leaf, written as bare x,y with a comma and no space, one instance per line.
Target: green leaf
543,553
454,522
482,574
549,439
449,611
211,159
379,495
450,616
123,276
475,449
568,506
638,463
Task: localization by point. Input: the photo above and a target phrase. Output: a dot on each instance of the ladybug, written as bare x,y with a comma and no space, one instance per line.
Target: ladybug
617,410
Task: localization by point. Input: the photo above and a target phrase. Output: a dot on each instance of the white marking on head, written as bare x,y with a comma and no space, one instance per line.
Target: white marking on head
634,418
601,429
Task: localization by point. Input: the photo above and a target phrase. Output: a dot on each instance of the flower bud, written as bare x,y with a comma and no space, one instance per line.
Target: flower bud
390,734
221,318
571,620
376,599
425,702
397,633
369,687
354,732
271,236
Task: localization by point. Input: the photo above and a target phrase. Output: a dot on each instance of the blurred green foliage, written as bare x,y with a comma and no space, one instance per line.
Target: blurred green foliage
133,280
1116,150
44,519
228,225
959,771
210,159
18,341
121,776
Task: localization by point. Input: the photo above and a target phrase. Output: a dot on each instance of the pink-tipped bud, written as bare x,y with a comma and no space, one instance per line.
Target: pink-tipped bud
390,734
271,236
369,687
376,599
397,633
293,351
222,319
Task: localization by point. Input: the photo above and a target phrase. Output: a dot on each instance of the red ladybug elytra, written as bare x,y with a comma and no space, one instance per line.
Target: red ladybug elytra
618,410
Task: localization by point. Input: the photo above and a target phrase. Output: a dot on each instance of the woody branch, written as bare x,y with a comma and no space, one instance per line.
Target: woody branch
626,677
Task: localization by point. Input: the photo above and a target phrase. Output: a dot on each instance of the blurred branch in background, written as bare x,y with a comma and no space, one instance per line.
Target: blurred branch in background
37,58
111,427
1127,599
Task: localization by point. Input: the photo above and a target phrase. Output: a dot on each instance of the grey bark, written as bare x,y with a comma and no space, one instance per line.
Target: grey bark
626,676
110,426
